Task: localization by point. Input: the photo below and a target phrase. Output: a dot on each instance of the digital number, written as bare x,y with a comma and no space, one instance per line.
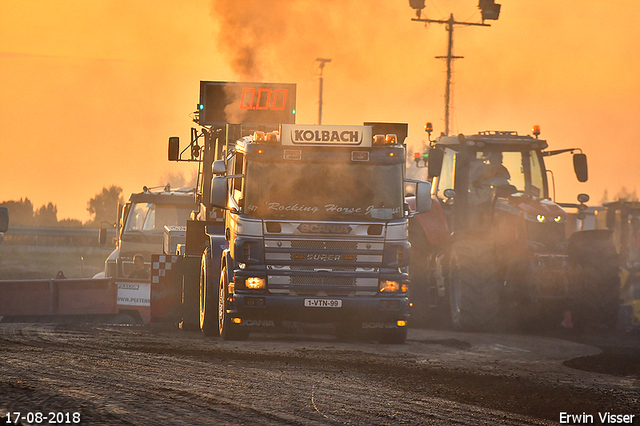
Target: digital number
263,99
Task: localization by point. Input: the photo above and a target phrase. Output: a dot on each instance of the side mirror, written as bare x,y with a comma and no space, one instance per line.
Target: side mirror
102,236
174,148
4,219
423,197
219,192
219,167
580,167
436,156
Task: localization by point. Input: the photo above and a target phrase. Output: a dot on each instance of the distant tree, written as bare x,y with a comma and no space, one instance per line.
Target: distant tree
70,223
46,215
21,212
178,179
622,195
103,207
625,195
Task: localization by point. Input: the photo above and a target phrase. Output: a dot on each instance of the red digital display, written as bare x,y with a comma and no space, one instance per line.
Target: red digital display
265,99
237,103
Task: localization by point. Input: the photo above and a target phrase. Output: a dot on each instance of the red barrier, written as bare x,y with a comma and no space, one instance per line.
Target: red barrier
26,297
158,300
57,297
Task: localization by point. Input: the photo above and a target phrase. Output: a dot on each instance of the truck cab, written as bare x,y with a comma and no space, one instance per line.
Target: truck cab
316,227
141,226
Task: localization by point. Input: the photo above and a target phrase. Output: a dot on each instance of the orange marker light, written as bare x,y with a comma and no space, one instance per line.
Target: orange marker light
428,127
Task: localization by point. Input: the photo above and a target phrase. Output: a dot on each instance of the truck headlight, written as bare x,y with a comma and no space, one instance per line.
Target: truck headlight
390,286
255,283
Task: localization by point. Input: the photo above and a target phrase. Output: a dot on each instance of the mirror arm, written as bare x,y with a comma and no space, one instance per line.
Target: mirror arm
560,151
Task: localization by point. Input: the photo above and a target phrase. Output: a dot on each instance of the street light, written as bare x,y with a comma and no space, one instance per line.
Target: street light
322,62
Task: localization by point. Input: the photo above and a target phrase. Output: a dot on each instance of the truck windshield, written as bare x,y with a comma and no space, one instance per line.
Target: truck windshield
153,217
324,191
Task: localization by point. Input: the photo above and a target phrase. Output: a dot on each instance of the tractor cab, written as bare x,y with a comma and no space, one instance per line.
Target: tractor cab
495,170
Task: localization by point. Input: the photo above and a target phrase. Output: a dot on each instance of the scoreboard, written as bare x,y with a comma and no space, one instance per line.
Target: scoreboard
241,103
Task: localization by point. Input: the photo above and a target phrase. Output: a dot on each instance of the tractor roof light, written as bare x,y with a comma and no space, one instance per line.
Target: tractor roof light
428,127
536,131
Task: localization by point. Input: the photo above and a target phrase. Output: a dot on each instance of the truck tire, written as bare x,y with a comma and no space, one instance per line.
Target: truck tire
208,298
595,286
227,329
474,288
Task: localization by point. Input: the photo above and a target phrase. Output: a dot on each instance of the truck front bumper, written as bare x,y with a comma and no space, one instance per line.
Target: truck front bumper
268,310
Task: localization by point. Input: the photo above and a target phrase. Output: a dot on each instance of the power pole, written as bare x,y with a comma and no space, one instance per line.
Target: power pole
489,10
322,61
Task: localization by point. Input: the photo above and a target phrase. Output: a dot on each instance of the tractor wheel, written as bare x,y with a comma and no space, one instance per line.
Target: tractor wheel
429,310
595,286
474,288
421,311
227,329
208,298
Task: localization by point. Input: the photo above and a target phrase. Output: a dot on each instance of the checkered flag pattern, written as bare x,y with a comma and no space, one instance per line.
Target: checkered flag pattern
160,264
216,215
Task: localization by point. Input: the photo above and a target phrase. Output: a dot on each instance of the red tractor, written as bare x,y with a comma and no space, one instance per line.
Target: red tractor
493,250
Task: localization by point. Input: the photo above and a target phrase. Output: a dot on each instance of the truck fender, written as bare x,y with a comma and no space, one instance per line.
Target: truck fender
433,222
218,246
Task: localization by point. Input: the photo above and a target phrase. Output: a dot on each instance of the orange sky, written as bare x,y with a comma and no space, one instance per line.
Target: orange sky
91,91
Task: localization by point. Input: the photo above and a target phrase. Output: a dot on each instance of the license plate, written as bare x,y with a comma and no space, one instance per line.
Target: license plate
323,303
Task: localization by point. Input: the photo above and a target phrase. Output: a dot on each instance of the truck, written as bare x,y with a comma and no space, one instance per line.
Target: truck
140,227
494,253
4,221
296,224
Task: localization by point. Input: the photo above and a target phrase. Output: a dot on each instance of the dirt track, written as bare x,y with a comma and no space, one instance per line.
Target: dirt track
119,375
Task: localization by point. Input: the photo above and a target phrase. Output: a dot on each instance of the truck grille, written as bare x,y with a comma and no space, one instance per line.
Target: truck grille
324,245
323,266
324,281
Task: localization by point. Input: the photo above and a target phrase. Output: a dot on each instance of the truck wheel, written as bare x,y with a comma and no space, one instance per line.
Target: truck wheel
474,288
394,336
595,287
208,297
227,329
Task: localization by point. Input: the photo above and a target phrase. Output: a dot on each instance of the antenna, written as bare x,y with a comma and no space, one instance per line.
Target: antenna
419,5
322,62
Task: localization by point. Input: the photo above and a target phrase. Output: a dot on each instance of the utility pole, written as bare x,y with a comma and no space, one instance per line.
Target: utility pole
322,62
489,9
